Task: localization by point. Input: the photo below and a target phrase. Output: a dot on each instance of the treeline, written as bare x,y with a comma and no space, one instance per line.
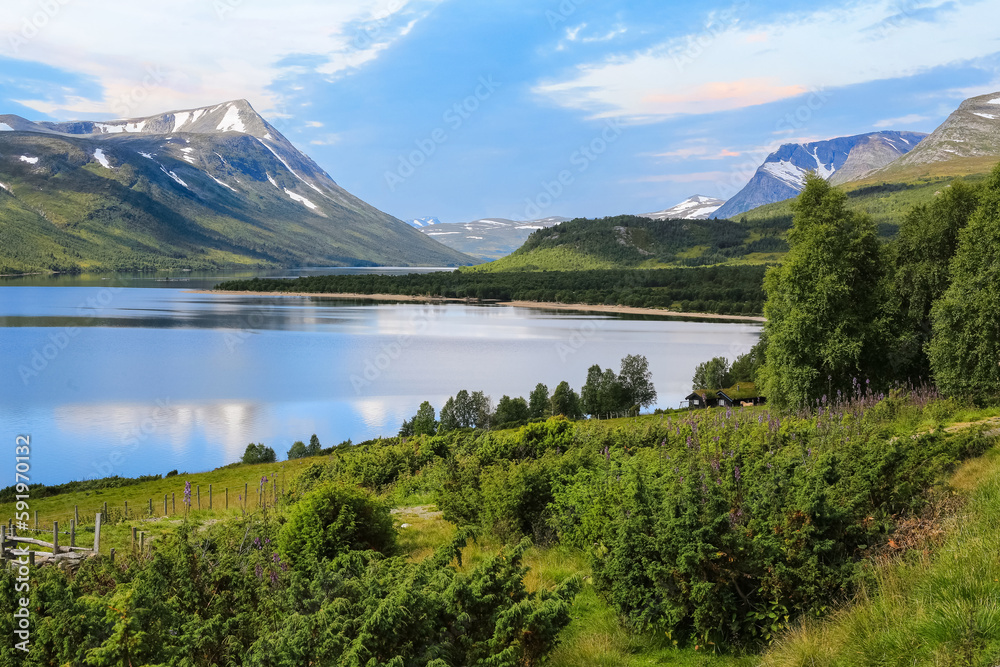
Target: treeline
604,393
845,309
716,289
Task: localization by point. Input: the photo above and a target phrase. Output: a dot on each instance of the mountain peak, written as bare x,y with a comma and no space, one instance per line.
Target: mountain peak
696,207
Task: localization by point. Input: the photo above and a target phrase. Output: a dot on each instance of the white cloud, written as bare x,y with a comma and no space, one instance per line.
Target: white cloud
902,121
314,123
200,51
735,64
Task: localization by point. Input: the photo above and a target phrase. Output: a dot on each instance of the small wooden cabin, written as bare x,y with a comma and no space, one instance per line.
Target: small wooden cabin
742,393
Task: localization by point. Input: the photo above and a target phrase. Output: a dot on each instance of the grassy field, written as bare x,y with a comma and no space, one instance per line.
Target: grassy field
116,529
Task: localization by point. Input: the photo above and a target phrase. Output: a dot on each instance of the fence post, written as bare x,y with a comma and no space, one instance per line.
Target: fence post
55,537
142,542
245,487
3,546
209,496
31,559
112,555
36,519
105,508
227,497
199,496
164,504
173,503
97,533
133,538
76,514
72,533
150,507
126,509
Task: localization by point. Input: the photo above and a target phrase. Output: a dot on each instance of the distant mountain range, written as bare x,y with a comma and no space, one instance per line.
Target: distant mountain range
424,222
782,175
209,187
698,207
486,239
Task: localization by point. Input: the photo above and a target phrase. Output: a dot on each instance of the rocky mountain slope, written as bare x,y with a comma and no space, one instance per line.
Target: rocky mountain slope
202,188
782,175
967,137
698,207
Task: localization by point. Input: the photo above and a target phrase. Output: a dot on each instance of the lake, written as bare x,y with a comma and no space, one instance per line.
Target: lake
140,375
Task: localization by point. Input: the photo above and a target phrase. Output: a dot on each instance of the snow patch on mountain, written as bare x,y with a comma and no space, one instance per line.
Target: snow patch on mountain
232,122
273,182
100,157
300,199
698,207
174,176
4,127
988,116
29,160
225,185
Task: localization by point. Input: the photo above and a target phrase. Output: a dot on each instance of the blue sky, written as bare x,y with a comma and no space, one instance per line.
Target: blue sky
518,109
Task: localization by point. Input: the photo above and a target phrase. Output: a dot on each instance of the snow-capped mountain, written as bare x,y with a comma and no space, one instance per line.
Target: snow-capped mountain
217,184
698,207
971,131
424,222
783,173
487,238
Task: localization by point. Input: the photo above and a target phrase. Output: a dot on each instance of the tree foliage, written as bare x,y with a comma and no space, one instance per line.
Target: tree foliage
965,349
824,320
258,453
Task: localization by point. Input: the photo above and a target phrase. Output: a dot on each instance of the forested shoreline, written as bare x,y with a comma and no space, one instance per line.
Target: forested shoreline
718,289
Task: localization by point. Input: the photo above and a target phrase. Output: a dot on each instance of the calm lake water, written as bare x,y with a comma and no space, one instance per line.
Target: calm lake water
110,379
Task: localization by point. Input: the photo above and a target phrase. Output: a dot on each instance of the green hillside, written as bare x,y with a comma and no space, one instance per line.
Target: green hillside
203,201
629,241
885,201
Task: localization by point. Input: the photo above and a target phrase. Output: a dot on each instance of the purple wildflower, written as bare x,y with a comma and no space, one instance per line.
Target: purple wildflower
258,571
736,473
187,493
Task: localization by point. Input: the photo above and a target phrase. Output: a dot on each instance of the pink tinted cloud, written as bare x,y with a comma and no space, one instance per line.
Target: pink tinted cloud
722,96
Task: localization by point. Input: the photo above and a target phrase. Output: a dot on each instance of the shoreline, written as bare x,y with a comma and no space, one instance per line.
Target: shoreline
538,305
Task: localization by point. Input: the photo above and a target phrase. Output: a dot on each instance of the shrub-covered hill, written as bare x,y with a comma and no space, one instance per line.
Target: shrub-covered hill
638,242
713,528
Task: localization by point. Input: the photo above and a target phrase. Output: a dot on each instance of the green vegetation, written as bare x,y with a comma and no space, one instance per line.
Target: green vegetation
634,241
822,311
887,203
259,453
715,289
965,346
67,213
935,604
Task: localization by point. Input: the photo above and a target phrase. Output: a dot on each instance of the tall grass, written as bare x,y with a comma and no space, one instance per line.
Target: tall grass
939,607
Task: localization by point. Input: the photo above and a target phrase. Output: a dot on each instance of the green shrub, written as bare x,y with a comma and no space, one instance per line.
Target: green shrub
333,519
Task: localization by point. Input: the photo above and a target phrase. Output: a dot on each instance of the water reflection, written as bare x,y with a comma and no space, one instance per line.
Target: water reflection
164,378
